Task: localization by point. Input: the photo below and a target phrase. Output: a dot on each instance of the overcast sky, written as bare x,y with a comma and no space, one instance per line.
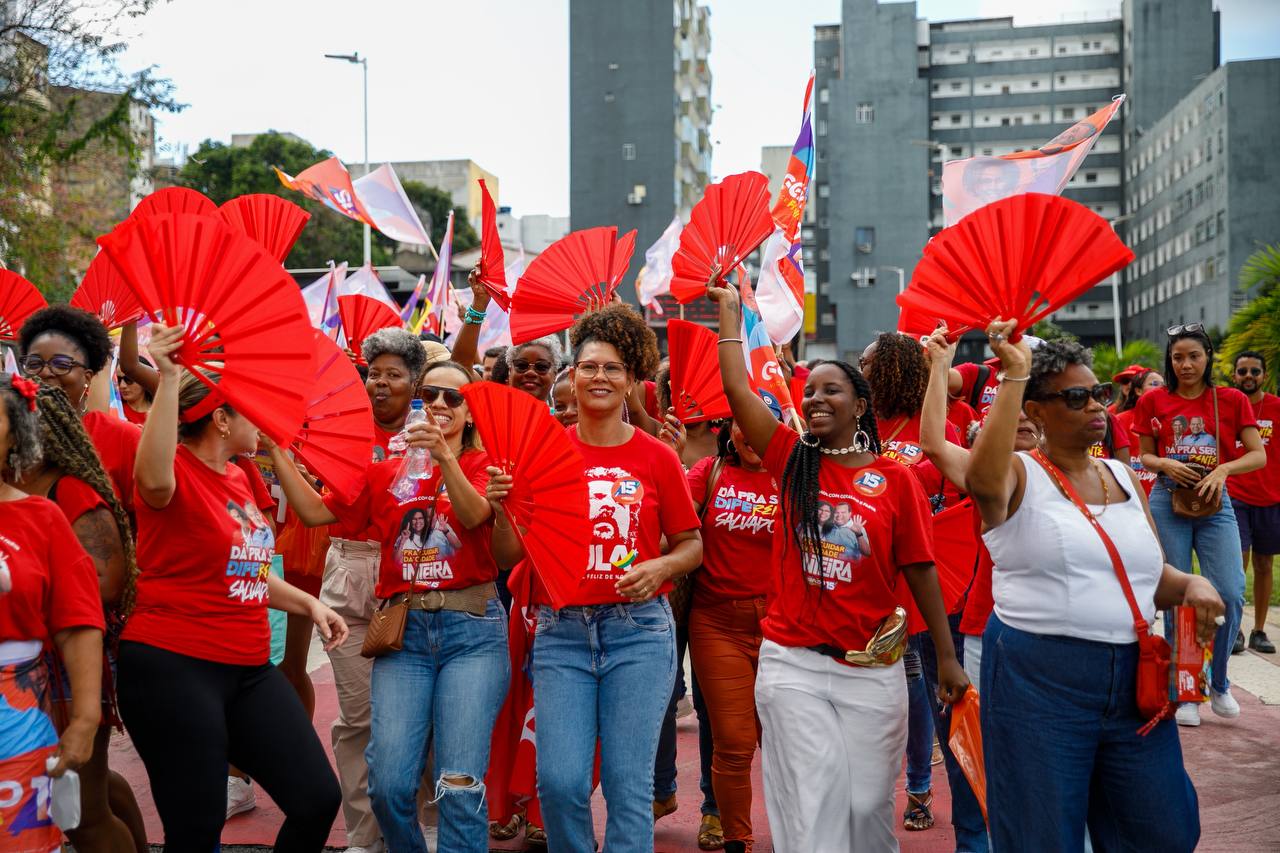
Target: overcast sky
488,79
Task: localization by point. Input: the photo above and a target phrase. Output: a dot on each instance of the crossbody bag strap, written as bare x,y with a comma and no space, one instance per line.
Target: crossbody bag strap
717,468
1217,428
894,434
1139,624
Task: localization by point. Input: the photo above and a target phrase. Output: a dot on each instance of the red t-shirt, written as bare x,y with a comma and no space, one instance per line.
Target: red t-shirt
737,532
53,583
879,522
381,444
435,552
969,376
204,561
961,415
637,493
262,498
1184,429
117,444
1120,440
132,415
979,602
1124,421
1261,487
904,448
75,497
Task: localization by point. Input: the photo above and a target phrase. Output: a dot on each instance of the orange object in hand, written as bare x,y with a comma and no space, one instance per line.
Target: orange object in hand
966,744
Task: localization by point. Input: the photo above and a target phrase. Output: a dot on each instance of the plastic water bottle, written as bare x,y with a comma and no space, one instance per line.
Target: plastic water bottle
416,465
64,797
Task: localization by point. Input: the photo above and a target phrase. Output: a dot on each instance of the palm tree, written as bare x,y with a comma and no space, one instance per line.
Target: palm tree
1257,325
1107,362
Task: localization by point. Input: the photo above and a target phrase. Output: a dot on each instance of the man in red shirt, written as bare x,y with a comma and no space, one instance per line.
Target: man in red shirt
1256,495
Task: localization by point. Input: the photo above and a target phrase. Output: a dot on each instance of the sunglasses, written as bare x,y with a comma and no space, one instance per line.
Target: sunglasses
1189,328
123,380
59,365
542,368
1079,396
613,370
452,396
1248,371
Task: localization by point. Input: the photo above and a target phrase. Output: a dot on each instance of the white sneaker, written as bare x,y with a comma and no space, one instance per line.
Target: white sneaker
240,796
430,837
1224,704
1188,714
375,847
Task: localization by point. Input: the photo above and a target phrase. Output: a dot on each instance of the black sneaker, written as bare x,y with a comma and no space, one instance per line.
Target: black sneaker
1238,648
1259,643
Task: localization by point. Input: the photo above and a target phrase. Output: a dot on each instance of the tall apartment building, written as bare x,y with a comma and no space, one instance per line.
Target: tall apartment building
898,95
639,123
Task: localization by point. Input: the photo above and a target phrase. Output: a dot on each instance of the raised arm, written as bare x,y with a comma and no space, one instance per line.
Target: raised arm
750,413
153,470
466,345
302,498
993,478
951,459
131,365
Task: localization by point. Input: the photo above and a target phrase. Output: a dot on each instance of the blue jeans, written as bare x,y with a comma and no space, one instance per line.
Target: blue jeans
1060,733
966,814
601,672
446,684
1216,541
664,766
919,723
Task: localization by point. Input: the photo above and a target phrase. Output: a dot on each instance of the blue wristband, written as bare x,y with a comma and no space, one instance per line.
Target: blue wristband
474,317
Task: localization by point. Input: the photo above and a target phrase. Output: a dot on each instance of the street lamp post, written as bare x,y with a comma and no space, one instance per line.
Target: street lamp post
901,276
1115,289
363,61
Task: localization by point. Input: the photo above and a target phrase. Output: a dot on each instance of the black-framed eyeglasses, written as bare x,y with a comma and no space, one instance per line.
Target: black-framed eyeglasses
59,365
1248,371
542,368
1078,397
452,396
613,370
1189,328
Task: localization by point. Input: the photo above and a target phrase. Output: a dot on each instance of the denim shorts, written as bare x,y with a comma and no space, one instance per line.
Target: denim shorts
1259,527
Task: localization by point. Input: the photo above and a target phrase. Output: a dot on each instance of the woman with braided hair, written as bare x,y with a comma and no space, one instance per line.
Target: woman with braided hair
831,692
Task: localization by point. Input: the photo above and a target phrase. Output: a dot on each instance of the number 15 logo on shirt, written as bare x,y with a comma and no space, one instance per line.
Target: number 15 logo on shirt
627,492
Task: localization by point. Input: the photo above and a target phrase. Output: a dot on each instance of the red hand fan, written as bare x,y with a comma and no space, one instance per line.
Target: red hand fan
336,439
577,273
243,315
696,390
921,326
273,222
549,493
493,271
19,299
727,225
1020,258
103,292
361,317
955,555
175,200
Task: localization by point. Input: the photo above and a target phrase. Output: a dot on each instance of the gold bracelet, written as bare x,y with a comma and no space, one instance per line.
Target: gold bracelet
729,341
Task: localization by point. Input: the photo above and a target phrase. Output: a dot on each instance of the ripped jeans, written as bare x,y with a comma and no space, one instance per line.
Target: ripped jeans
446,684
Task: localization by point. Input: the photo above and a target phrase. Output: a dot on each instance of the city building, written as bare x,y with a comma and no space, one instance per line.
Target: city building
459,178
897,95
639,123
1203,194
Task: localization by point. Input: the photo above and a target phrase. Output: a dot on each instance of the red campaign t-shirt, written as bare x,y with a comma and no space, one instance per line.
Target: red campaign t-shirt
737,531
1120,440
381,444
204,561
75,497
637,493
961,415
132,415
117,444
444,553
1146,478
1184,429
904,448
1261,487
968,376
262,498
53,583
979,603
879,521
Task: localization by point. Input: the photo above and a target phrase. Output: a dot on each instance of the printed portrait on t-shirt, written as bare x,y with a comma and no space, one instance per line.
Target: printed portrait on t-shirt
252,546
844,543
425,543
6,579
614,499
1189,442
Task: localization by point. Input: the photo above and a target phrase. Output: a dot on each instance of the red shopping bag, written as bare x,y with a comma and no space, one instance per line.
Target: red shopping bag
966,744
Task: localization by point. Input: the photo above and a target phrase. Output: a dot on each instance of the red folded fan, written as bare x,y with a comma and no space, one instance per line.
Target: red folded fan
336,439
19,299
1020,258
921,326
727,225
577,273
175,200
243,316
104,292
274,222
549,492
493,271
696,391
362,316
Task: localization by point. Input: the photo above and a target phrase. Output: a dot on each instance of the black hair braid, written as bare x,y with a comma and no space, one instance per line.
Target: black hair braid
67,447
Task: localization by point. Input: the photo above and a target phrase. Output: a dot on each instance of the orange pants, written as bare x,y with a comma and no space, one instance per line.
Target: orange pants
724,645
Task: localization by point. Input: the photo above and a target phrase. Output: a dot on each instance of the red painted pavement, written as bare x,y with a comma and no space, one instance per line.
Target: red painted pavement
1234,764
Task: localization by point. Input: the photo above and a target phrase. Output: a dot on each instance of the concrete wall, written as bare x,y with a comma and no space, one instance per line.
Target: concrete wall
1170,45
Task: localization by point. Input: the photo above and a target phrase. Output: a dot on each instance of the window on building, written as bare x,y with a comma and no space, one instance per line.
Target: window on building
955,118
822,127
823,96
1062,78
1062,48
956,85
864,239
608,97
864,113
1068,112
1004,122
1097,45
1090,177
956,151
824,190
628,151
986,152
1035,84
1004,90
1033,51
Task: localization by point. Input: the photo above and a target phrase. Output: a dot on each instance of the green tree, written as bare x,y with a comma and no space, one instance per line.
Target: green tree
1256,326
1107,362
1047,330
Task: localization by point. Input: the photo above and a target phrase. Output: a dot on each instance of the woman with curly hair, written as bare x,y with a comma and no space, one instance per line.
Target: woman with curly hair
71,476
831,691
67,348
48,597
604,665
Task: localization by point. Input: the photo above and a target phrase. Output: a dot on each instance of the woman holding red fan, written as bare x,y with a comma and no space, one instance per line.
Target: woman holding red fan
196,687
448,679
831,692
603,667
1077,563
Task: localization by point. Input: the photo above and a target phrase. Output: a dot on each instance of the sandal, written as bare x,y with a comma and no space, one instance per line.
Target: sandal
710,833
919,813
505,831
535,839
662,808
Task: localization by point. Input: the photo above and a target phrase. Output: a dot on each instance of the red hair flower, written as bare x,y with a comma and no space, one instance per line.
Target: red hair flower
27,388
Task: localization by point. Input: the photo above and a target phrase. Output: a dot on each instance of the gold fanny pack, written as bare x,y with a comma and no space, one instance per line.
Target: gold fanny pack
885,647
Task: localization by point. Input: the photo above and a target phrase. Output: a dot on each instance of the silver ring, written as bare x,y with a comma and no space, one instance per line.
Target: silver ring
997,337
1219,621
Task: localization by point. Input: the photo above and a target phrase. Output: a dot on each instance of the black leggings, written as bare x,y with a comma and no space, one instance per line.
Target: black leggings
189,718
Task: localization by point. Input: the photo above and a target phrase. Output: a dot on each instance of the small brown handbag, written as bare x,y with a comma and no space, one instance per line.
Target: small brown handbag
1186,501
386,626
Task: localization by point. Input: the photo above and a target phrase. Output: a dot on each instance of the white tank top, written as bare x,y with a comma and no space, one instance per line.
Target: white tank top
1052,574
